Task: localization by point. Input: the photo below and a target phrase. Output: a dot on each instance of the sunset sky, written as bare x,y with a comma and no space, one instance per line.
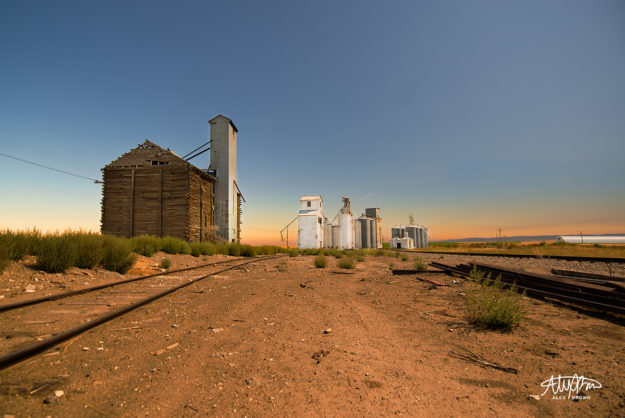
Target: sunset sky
470,115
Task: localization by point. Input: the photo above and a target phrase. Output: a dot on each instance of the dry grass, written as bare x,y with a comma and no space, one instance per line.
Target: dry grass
540,249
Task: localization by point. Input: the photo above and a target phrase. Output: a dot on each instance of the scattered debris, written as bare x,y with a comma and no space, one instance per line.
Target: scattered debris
252,381
216,330
319,354
127,328
373,384
434,282
537,397
171,347
472,357
327,331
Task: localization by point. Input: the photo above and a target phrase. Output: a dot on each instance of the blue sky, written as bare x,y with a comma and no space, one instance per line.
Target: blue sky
472,116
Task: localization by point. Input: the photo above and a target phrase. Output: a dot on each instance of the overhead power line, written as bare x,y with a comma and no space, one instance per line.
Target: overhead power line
50,168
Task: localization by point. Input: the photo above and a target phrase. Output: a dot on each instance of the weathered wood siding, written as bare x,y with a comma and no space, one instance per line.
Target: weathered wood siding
152,191
201,195
116,202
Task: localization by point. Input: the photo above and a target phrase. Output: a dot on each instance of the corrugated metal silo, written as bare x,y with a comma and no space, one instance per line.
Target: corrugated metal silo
365,231
357,235
412,232
346,224
336,236
327,235
373,233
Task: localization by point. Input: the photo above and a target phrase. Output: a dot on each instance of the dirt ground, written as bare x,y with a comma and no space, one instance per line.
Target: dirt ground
259,341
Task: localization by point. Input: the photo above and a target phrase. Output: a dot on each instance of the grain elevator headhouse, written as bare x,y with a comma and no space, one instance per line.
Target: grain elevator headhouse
223,166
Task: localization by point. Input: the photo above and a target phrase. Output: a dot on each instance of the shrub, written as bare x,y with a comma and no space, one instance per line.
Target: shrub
346,262
57,253
420,264
234,249
359,255
282,266
118,255
267,250
489,305
172,245
196,249
146,245
222,249
293,252
20,244
321,261
165,263
4,258
404,257
248,251
90,249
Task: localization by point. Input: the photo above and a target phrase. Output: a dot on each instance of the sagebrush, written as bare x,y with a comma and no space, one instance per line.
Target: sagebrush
491,305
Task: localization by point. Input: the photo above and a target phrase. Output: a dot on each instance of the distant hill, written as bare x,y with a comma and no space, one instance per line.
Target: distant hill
520,238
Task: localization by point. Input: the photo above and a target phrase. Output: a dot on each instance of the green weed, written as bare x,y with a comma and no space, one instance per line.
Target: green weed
489,305
346,262
420,264
321,261
118,255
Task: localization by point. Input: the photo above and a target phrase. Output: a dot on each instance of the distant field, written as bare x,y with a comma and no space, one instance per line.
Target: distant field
542,248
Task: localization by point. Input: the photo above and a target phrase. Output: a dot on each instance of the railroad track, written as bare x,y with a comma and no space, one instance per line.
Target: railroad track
551,257
604,296
90,307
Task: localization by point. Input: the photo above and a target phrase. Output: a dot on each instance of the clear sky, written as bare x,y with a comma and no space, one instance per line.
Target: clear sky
471,115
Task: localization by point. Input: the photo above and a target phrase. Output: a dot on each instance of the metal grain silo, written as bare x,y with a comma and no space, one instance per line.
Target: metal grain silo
346,226
413,232
397,232
365,231
336,236
327,234
357,235
372,233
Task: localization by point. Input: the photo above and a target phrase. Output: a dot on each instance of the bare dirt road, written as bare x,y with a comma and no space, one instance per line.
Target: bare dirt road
310,342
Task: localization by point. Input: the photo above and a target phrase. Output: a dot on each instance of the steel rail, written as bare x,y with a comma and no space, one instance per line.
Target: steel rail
552,257
587,276
607,296
56,296
33,349
534,288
